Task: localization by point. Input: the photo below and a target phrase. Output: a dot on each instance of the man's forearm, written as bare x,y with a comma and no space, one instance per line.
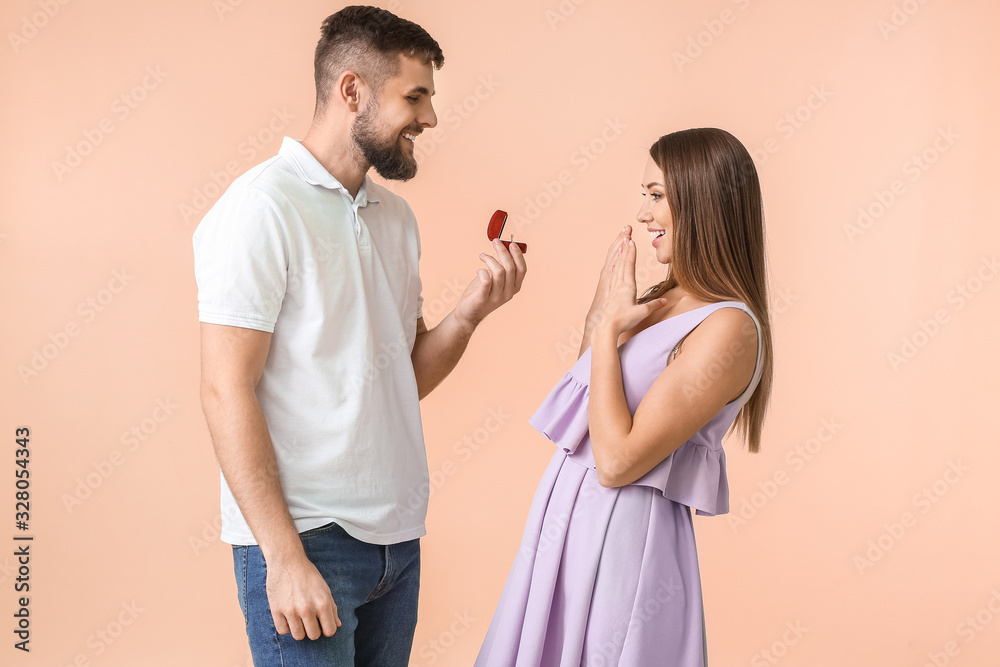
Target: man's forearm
246,456
437,351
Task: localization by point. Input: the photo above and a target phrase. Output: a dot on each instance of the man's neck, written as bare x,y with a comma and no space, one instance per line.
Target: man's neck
335,153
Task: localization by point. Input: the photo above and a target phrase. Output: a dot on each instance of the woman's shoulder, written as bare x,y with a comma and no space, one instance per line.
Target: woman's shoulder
730,324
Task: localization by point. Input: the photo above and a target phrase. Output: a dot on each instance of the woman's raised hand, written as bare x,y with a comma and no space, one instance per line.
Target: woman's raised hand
597,308
619,308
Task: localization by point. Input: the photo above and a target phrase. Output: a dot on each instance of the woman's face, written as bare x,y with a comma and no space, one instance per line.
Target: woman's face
655,211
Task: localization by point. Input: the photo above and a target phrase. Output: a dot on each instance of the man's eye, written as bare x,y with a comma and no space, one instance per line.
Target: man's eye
413,99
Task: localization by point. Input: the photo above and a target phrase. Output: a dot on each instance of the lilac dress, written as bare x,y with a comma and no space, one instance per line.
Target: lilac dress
609,576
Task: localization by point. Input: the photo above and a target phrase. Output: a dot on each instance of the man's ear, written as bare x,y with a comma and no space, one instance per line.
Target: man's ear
351,90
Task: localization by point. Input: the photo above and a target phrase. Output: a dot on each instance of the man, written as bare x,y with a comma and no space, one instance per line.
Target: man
315,356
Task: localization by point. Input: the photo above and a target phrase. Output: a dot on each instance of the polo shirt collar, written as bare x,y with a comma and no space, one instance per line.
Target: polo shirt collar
313,172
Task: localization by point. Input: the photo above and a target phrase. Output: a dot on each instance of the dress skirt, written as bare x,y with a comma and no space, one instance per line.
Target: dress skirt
603,576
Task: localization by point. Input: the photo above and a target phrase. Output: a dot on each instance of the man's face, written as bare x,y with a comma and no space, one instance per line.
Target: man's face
387,127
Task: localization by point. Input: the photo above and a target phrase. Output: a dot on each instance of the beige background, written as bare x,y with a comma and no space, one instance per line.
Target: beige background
829,533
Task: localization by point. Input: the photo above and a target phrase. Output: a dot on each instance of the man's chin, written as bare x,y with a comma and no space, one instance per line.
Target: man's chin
400,179
397,175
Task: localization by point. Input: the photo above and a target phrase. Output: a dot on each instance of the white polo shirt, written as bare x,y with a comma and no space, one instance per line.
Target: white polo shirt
335,280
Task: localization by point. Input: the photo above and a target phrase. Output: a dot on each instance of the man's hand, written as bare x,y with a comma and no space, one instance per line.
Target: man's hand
232,361
300,599
492,287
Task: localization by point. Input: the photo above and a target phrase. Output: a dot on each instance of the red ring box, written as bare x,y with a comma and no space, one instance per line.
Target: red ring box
495,229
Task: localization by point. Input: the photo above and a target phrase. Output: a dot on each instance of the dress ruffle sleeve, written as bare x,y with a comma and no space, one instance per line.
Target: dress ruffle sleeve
693,475
562,416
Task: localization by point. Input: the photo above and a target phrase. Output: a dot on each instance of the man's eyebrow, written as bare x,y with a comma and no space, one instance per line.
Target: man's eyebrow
419,89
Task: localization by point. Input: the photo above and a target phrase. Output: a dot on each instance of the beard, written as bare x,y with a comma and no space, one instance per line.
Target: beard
386,156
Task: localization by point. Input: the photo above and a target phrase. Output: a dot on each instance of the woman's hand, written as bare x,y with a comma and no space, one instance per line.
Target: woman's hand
597,308
619,308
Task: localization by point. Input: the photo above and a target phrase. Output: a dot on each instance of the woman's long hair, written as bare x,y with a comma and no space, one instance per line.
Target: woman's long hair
718,238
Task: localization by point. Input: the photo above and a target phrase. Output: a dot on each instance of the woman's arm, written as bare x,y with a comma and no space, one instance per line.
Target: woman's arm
717,365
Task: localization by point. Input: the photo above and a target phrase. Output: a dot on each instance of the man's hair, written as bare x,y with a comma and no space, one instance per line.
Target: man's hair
368,40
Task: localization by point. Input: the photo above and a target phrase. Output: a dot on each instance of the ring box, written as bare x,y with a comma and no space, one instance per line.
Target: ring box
495,229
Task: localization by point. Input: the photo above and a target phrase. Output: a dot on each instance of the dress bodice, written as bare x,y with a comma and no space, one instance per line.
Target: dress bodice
695,473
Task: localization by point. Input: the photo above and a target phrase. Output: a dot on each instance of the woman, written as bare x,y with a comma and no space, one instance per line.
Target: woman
607,572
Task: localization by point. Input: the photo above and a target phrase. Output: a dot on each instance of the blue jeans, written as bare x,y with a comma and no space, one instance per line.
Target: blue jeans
375,588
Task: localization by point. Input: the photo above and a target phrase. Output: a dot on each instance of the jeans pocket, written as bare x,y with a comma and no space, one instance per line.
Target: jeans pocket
319,530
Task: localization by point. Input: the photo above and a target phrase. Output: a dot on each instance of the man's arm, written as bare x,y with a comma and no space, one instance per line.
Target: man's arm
232,362
436,352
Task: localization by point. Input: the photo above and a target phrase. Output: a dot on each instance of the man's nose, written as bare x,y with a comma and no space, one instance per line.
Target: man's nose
428,118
